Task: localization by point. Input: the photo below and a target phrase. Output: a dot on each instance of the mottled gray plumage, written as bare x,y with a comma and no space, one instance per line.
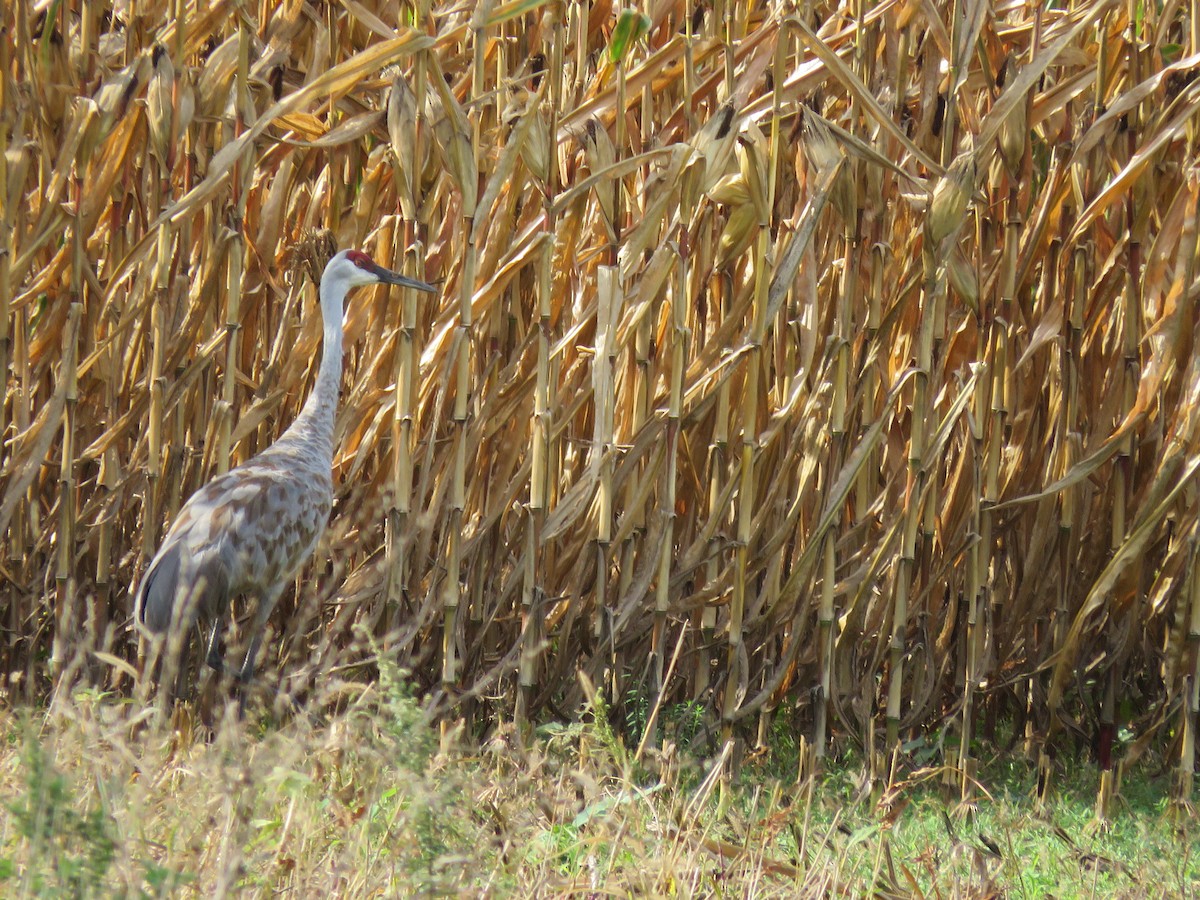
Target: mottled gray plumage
249,531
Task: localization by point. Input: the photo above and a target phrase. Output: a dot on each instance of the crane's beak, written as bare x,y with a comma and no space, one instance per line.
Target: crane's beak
387,276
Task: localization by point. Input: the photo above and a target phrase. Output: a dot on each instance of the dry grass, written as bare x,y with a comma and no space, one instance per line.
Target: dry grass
106,802
103,799
888,408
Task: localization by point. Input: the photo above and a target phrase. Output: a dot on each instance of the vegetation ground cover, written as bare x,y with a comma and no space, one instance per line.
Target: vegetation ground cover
103,800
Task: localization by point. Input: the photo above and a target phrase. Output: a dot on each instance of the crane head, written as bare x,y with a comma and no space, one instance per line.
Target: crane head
353,268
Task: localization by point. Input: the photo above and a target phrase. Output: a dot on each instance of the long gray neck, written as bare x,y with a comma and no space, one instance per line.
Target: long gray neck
314,426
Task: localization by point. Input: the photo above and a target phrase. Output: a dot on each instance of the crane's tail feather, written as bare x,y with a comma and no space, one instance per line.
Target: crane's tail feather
156,595
203,589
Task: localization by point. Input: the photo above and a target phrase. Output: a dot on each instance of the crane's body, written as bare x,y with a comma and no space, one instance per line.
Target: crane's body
249,531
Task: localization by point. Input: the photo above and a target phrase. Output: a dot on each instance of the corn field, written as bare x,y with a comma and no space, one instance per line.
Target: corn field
827,362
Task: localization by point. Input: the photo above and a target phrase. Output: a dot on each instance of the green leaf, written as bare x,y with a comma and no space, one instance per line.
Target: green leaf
631,26
600,807
863,834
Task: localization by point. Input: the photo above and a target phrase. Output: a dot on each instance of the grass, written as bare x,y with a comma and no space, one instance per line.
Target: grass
104,799
1004,843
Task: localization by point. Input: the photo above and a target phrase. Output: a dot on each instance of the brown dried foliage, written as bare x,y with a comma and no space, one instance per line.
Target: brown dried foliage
669,397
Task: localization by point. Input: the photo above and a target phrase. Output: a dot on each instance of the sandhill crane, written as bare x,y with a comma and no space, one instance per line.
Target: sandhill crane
247,532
